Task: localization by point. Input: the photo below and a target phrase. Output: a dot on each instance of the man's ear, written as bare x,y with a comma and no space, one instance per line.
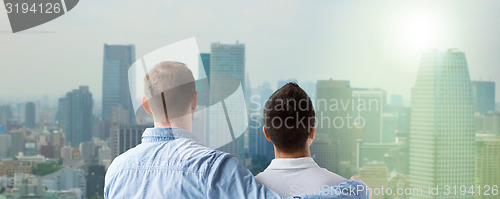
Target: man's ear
265,133
146,106
312,134
194,102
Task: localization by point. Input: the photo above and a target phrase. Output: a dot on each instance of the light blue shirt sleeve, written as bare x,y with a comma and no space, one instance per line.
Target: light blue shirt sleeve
229,179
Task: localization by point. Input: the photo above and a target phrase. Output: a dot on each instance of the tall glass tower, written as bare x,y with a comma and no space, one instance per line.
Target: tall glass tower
442,125
483,93
334,143
115,89
78,116
227,60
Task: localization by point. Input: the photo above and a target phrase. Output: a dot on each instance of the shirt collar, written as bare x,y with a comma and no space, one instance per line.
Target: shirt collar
292,163
163,134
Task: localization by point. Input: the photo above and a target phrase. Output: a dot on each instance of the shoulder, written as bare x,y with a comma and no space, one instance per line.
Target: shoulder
330,174
262,176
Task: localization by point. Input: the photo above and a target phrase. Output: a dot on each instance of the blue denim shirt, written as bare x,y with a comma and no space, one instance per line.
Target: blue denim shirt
169,163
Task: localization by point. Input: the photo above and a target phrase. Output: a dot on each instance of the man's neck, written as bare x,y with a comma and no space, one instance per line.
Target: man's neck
300,154
183,122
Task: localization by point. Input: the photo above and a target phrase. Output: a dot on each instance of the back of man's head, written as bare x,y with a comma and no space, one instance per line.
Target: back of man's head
289,118
169,90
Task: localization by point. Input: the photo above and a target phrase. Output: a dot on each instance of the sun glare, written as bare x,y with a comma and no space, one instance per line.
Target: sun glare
420,31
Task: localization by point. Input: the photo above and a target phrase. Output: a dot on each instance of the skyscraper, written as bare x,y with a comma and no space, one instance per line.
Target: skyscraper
125,137
5,142
483,96
78,116
257,141
442,124
5,114
18,142
115,87
369,104
334,145
205,60
487,162
227,60
375,175
202,86
29,115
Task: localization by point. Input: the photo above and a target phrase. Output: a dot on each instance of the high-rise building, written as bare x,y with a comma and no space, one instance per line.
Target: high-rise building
487,164
442,124
202,86
18,143
126,137
61,113
260,150
227,60
334,146
257,141
78,116
483,96
29,115
115,87
368,107
95,174
488,123
5,142
5,114
205,60
376,176
389,127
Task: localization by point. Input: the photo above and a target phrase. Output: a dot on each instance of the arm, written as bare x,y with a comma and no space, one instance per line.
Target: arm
227,178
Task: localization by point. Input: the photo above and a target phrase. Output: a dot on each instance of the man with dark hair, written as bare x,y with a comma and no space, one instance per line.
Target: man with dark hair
170,163
289,124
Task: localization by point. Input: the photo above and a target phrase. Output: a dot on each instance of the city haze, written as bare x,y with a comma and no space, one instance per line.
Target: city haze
372,44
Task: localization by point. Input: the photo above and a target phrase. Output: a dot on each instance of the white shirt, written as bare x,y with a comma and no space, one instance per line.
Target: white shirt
296,176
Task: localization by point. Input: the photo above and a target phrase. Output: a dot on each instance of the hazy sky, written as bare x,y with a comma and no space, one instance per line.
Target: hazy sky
370,43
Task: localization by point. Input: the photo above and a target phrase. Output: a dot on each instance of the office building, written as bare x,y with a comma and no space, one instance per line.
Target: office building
368,107
115,86
29,115
61,113
5,114
487,161
5,142
376,176
442,124
202,83
94,174
125,137
18,143
205,60
488,123
334,145
227,70
78,116
483,93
